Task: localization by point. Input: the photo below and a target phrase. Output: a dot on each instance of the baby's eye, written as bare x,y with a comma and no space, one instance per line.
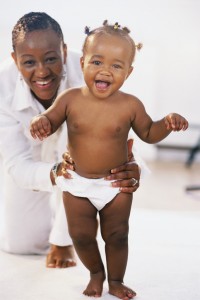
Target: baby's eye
96,62
116,66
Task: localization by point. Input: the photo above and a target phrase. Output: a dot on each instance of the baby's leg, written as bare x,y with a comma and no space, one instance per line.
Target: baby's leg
82,224
114,228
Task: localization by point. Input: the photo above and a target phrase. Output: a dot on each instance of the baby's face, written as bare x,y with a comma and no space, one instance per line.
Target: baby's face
106,63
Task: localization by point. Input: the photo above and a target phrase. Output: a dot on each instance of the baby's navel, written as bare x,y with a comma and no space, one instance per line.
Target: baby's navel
118,129
75,125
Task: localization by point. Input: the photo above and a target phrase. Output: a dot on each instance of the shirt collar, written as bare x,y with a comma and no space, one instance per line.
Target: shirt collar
22,97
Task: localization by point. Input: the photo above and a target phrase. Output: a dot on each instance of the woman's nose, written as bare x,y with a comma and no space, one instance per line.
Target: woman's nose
42,70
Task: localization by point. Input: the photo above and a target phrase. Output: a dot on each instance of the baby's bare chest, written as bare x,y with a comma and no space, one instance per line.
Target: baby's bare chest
100,122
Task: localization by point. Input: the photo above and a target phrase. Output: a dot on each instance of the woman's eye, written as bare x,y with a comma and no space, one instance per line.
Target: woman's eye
28,63
51,59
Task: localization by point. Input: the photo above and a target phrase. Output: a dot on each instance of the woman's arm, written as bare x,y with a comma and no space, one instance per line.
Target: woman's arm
17,154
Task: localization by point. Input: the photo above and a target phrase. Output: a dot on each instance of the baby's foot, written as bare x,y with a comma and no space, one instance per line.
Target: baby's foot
118,289
95,286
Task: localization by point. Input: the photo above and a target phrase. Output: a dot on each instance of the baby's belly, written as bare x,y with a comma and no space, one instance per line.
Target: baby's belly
94,158
97,167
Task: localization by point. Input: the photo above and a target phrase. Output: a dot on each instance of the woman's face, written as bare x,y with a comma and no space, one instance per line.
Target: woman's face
39,56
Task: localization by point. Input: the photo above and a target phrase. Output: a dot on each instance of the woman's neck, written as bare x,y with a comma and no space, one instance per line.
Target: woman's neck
45,103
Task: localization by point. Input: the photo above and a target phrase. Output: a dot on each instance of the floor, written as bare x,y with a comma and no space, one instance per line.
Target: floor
166,187
164,242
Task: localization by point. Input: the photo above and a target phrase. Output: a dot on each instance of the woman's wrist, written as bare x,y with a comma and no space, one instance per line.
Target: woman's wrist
54,172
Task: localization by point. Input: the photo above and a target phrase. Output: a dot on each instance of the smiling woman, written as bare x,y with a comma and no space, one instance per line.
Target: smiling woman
30,82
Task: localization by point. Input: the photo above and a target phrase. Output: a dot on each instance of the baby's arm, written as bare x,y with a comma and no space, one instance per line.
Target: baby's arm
161,129
155,131
49,121
40,127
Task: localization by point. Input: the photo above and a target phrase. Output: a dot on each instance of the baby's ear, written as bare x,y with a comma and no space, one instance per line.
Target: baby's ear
82,62
129,71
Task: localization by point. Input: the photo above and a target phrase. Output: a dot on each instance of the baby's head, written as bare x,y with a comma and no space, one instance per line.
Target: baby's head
111,31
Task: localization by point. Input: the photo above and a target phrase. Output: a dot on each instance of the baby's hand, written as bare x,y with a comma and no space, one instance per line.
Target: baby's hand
40,127
176,122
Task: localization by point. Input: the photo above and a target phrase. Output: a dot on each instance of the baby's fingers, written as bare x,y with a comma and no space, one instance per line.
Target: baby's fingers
181,123
171,122
46,127
39,129
184,124
176,122
167,123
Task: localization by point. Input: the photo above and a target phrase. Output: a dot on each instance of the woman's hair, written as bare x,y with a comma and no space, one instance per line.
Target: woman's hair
114,29
35,21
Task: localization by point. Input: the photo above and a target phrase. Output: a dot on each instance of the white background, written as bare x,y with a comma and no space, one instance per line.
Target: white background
167,70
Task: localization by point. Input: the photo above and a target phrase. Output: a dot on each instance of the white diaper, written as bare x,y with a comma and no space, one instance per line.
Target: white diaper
98,191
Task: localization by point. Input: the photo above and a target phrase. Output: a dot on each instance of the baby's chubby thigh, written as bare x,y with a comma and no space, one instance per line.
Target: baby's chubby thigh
114,219
81,217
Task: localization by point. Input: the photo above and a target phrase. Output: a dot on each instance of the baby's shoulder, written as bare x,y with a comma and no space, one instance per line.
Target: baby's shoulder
70,94
130,98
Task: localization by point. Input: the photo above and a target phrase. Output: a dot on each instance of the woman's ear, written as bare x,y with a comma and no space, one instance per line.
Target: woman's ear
13,54
64,53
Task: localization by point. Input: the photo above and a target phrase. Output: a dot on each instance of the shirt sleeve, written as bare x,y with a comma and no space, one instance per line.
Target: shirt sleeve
18,159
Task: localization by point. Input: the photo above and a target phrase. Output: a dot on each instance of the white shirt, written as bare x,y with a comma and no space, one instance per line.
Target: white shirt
26,160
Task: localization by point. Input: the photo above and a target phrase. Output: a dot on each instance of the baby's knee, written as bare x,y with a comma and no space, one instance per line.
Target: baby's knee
81,239
117,238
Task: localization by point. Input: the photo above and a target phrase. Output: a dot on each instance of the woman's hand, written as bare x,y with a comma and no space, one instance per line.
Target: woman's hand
67,163
127,176
60,169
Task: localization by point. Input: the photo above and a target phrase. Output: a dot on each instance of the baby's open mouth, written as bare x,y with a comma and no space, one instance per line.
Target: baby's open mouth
101,84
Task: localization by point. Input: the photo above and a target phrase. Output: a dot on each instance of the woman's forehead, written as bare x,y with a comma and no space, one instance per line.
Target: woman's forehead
44,36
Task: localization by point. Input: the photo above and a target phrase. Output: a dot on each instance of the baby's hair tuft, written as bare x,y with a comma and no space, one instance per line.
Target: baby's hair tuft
111,29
